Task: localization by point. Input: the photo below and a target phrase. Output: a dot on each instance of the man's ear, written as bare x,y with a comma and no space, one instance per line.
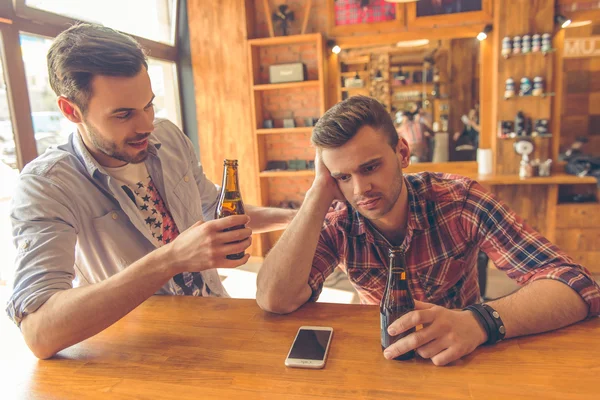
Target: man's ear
69,110
403,152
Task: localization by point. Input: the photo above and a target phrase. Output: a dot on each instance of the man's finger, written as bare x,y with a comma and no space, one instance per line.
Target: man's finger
421,305
229,222
233,236
234,263
234,248
411,320
410,342
432,348
446,357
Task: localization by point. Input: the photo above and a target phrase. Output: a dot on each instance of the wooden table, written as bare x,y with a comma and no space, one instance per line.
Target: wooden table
206,348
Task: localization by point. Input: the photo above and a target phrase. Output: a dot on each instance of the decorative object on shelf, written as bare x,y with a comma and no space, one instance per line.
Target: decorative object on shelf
526,45
310,164
289,123
378,76
268,124
297,165
536,43
545,167
354,82
507,129
517,45
277,165
524,147
506,46
538,86
510,89
541,127
546,43
444,121
281,73
525,89
283,15
520,124
310,121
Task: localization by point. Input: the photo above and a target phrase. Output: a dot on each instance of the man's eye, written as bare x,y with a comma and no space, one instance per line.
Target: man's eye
343,178
124,115
149,106
371,168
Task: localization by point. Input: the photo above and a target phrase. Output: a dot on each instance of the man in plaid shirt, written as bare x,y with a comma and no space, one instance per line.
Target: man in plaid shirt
440,221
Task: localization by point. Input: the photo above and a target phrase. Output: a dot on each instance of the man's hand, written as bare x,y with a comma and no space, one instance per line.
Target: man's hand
324,183
205,245
447,335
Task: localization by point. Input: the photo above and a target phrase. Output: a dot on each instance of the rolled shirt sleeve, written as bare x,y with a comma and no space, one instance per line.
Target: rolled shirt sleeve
45,235
326,258
518,250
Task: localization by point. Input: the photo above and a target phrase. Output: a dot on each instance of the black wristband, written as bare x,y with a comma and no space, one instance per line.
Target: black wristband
490,320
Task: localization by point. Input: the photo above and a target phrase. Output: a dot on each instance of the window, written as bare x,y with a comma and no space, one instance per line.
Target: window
150,19
163,75
50,127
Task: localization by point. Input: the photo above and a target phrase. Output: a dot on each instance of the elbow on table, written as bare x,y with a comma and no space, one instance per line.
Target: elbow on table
275,305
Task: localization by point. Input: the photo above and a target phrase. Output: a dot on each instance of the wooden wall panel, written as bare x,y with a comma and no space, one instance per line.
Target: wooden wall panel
218,33
463,60
530,202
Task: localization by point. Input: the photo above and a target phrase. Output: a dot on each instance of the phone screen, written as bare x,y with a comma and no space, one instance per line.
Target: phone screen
310,344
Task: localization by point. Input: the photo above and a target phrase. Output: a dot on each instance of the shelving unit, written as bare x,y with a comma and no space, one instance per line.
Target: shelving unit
350,68
297,100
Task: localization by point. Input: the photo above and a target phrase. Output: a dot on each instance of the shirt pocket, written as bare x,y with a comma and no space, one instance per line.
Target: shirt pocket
439,280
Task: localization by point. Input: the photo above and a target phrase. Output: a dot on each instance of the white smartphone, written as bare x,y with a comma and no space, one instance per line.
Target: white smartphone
310,347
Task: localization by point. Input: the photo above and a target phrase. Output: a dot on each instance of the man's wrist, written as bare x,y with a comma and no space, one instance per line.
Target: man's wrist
165,260
479,327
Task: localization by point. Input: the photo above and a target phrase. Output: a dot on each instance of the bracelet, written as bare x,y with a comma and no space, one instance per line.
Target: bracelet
490,321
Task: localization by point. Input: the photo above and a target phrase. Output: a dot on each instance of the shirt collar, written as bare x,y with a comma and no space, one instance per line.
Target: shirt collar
90,163
417,215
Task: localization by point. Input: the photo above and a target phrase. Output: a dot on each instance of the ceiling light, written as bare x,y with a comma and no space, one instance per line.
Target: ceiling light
562,20
481,36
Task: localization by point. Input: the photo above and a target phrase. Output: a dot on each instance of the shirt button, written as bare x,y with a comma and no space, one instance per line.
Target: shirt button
25,245
186,178
114,215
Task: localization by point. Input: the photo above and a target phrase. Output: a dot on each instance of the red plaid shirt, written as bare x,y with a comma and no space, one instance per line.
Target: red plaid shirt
450,219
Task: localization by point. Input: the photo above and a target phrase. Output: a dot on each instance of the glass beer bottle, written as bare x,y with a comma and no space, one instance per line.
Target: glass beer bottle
230,199
397,301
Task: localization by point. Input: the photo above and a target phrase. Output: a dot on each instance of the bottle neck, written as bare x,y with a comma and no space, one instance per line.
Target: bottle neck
230,179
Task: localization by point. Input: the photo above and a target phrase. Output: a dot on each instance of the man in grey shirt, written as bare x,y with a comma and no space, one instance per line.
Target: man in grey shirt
119,213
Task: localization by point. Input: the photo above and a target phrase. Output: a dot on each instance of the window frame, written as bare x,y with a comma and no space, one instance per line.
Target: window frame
17,18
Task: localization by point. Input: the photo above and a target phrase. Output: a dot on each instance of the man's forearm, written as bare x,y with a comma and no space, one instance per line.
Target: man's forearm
73,315
267,219
283,278
541,306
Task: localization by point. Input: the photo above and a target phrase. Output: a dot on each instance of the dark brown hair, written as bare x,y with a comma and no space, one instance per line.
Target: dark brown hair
341,122
86,50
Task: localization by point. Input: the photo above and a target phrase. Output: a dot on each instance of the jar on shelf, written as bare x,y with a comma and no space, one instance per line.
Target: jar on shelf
506,46
526,44
517,45
510,90
526,88
536,43
546,43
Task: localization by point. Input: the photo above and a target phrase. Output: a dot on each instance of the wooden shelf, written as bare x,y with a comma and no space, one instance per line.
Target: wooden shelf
345,89
353,73
556,179
544,95
288,85
411,87
282,40
286,173
275,131
544,53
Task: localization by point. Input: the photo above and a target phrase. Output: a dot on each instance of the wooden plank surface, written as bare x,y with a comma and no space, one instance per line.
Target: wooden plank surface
223,103
188,348
585,215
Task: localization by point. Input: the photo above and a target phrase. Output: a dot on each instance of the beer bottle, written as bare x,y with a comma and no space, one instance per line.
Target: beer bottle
230,199
397,301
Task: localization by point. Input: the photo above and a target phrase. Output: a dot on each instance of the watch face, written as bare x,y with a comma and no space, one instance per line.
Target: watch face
524,147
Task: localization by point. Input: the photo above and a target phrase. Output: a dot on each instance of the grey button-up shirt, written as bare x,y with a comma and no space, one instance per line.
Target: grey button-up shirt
73,225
